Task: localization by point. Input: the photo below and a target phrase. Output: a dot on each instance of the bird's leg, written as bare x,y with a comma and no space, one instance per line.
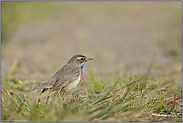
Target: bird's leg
45,89
62,94
47,99
38,102
48,96
42,95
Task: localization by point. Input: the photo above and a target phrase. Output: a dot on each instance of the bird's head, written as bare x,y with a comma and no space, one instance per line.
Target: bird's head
79,59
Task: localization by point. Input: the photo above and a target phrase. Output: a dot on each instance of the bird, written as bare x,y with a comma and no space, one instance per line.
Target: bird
67,77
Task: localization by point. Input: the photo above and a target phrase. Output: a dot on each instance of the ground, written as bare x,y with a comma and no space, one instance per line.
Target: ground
39,38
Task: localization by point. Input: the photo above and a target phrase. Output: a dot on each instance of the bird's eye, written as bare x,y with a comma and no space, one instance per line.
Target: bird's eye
82,59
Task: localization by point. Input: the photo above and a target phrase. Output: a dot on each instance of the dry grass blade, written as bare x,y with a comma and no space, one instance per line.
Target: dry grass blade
100,98
163,115
7,95
175,98
127,85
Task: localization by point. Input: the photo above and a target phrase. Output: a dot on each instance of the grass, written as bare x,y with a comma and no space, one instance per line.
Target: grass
121,96
117,98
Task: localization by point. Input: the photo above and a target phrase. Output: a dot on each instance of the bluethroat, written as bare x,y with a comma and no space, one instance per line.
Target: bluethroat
67,77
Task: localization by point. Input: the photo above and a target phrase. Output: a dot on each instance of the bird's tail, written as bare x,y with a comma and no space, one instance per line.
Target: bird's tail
36,88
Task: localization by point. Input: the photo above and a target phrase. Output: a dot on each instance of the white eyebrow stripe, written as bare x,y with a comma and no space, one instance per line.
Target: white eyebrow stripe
80,57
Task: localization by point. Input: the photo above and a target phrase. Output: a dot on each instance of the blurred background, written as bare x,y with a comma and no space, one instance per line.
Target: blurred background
38,38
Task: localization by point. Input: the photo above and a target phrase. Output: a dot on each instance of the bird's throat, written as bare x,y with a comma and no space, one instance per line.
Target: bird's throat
82,66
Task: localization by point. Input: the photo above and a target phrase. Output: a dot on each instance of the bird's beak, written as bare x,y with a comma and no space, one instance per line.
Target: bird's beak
88,59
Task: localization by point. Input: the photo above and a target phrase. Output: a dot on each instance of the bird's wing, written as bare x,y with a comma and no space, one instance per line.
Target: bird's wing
61,78
66,77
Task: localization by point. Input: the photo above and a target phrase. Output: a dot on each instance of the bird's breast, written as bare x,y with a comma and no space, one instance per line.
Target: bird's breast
72,84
